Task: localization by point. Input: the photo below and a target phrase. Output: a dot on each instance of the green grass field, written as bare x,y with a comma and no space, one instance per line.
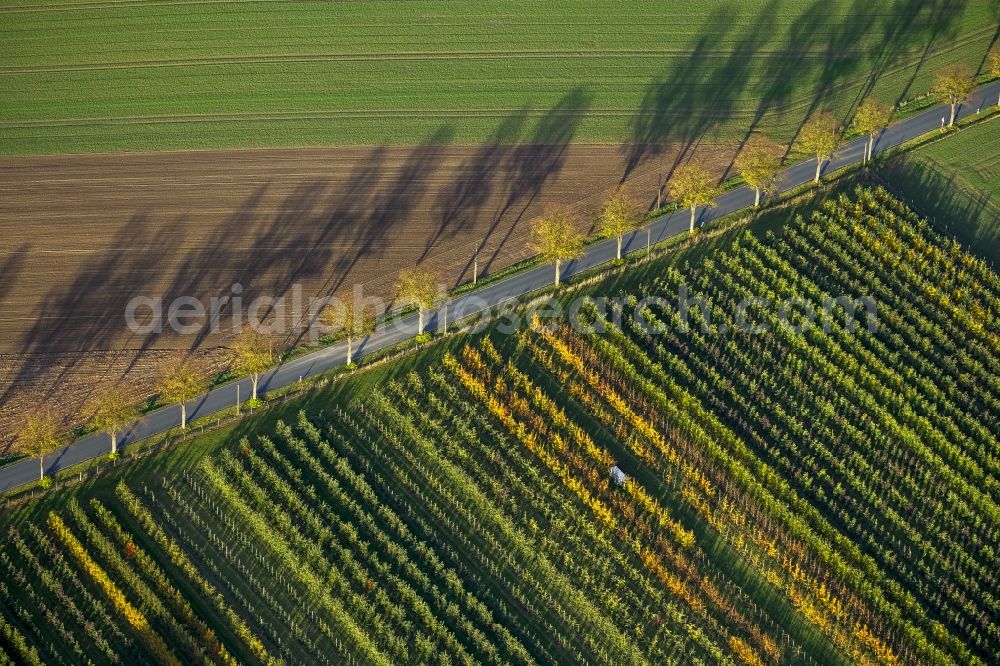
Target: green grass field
956,182
79,77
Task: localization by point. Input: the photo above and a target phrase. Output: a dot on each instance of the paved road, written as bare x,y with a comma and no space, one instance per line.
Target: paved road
26,471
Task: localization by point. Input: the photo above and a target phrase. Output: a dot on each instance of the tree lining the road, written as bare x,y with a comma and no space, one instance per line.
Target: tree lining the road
556,240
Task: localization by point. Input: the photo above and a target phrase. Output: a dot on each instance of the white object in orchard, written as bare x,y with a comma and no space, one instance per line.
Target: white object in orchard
617,475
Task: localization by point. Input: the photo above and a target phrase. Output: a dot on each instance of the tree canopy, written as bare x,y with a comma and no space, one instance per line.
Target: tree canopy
179,383
954,83
39,435
871,117
418,286
556,239
820,134
352,319
758,165
251,352
618,217
111,412
693,185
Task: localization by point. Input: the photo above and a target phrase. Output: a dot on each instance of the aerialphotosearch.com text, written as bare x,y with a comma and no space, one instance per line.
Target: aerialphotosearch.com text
229,313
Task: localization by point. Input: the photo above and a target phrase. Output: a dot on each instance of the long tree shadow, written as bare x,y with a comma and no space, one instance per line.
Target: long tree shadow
798,58
269,254
831,54
408,189
909,26
347,209
390,206
985,62
86,314
682,104
207,269
730,81
673,105
460,202
11,268
259,249
904,27
533,164
972,217
840,57
930,22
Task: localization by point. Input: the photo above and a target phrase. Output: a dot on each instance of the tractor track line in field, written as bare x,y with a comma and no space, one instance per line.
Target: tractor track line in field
410,56
121,4
523,54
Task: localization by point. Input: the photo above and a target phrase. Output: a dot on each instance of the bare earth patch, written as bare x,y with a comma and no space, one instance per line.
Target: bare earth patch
85,234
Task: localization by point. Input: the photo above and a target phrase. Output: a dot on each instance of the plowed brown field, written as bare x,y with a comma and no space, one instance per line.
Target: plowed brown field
83,235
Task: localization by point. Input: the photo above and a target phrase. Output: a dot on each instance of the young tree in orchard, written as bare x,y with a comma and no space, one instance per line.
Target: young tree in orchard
618,217
871,118
355,320
694,186
557,240
418,286
953,85
39,435
112,412
181,382
820,135
758,165
251,354
994,58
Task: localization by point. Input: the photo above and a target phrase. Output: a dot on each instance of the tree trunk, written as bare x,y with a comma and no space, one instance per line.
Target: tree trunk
619,246
871,147
183,416
557,272
253,382
114,441
691,228
819,164
951,121
756,197
420,320
41,466
350,356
